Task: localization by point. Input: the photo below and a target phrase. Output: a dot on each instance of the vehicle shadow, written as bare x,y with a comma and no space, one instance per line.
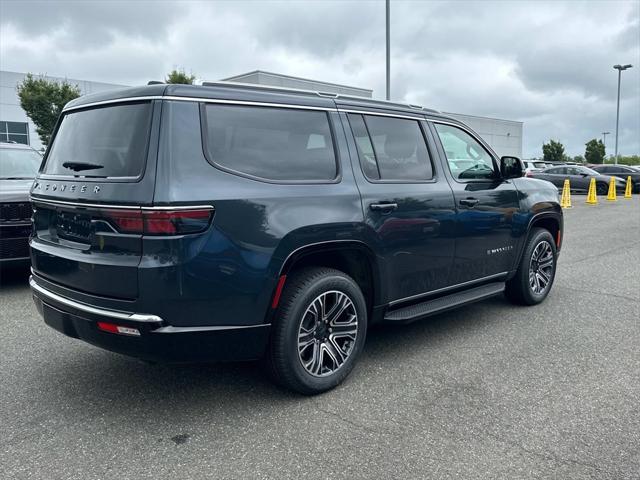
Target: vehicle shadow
96,382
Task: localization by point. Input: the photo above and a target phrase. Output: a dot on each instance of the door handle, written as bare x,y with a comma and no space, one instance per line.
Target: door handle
469,202
383,207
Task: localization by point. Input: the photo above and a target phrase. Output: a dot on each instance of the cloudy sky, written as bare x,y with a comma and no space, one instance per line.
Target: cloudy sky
548,64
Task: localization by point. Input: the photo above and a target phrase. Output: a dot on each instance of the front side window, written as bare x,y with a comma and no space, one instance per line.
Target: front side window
279,144
391,148
101,142
467,158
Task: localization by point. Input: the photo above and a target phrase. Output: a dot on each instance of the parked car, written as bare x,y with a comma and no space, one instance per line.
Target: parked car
18,167
533,166
621,171
579,178
227,222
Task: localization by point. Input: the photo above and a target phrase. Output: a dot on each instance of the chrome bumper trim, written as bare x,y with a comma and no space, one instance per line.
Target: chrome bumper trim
132,317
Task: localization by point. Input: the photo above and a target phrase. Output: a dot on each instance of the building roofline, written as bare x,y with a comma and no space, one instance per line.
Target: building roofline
484,117
291,77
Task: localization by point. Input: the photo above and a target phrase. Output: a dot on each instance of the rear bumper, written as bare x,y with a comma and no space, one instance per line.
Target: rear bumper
156,340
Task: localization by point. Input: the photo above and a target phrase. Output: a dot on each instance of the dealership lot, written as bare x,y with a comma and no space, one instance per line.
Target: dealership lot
488,391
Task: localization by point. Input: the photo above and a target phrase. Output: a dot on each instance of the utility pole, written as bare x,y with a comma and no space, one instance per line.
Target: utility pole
388,51
620,68
604,142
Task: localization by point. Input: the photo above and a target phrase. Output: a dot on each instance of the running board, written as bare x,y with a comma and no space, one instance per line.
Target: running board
420,310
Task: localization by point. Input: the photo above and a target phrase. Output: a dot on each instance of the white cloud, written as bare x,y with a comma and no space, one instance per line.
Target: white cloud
548,64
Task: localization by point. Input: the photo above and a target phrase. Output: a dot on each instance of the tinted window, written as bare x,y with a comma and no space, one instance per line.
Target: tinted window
103,142
271,143
391,148
556,171
19,163
467,158
365,147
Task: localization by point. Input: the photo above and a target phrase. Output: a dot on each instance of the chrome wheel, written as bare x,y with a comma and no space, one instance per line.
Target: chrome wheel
327,333
541,267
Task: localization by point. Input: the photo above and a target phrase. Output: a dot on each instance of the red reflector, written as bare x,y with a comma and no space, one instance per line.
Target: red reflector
558,238
113,328
276,297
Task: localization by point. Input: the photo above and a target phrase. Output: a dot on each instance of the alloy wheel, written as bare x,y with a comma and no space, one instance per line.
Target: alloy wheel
541,267
327,333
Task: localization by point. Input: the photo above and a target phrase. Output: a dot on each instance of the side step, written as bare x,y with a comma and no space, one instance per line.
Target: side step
420,310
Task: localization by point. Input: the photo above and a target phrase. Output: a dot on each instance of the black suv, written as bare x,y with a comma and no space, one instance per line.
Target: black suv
227,222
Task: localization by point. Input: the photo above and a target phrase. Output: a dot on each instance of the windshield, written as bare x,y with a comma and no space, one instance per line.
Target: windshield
18,163
101,142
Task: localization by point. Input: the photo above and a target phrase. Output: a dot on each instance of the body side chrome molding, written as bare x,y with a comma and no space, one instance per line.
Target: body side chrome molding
446,289
132,317
126,207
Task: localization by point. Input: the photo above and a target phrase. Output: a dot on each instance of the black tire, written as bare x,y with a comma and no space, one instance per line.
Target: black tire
602,188
519,289
297,308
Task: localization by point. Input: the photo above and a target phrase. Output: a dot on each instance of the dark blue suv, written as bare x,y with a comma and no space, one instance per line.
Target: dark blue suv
225,222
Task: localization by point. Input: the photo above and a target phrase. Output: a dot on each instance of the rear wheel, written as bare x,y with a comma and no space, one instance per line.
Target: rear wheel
602,188
319,330
536,272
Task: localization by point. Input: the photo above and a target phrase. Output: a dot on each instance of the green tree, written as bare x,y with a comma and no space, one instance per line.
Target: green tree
43,101
595,151
179,76
553,152
578,159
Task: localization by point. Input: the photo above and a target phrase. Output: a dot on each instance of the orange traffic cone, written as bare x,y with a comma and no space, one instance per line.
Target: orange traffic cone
611,196
565,200
592,198
627,188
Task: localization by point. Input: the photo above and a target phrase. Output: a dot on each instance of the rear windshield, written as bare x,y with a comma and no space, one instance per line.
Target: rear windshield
19,163
101,142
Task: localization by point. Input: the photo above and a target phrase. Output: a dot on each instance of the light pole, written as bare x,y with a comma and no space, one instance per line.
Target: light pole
604,142
620,68
388,7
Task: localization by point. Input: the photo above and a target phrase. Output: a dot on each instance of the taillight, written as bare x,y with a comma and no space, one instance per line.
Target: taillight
161,222
528,174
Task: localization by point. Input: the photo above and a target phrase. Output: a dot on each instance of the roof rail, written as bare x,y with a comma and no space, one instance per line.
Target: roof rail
155,82
223,83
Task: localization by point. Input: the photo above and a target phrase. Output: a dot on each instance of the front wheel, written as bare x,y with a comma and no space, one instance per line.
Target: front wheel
536,272
602,189
319,331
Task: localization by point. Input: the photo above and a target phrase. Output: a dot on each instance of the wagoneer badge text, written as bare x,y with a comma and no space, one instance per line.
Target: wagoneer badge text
53,187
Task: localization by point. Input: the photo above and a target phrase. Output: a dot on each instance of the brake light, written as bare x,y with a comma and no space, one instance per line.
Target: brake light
160,222
528,174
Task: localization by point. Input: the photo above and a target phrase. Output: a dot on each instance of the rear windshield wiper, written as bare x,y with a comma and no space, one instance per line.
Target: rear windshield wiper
79,166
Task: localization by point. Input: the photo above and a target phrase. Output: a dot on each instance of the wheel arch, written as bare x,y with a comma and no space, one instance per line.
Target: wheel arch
352,257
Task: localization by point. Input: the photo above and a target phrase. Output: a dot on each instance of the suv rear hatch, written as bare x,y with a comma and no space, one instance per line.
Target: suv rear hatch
97,176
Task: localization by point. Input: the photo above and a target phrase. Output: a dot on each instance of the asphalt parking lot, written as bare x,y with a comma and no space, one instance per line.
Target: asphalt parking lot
488,391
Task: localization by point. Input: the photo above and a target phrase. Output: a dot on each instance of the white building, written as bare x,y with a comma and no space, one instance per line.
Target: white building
14,124
504,136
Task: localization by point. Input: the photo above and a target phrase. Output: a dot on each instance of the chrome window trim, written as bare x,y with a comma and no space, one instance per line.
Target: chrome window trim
132,317
381,114
198,100
127,207
445,289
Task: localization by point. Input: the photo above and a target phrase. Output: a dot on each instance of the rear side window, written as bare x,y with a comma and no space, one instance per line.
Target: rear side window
391,148
279,144
102,142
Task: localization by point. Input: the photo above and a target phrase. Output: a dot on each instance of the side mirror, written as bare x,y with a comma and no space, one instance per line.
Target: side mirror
511,167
